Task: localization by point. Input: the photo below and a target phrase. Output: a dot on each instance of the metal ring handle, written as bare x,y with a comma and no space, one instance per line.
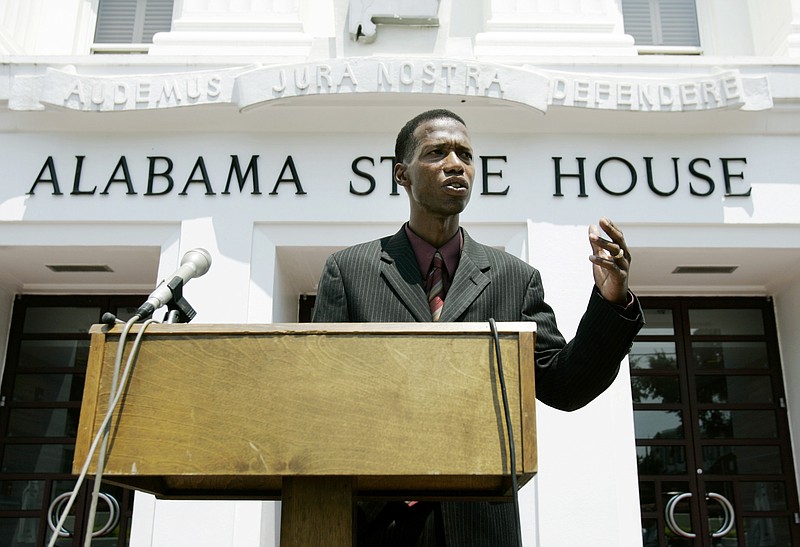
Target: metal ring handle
669,513
53,512
58,503
113,515
727,506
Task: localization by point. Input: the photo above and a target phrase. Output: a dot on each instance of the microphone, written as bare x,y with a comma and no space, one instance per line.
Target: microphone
193,264
110,319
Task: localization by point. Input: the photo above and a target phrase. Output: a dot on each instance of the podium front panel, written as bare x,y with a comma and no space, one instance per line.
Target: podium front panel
222,411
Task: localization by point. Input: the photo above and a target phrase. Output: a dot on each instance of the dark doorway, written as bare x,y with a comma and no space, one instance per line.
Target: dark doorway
712,436
40,404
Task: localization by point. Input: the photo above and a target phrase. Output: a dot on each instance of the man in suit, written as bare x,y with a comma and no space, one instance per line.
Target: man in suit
431,269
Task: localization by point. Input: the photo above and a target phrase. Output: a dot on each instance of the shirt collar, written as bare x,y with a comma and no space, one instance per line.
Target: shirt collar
424,251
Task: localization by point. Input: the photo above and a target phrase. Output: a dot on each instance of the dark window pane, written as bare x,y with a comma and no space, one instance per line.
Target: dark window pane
60,320
647,496
124,314
724,321
650,532
661,460
741,460
53,353
48,387
730,355
734,389
670,488
19,532
674,541
658,424
655,389
763,496
767,532
738,424
16,495
657,322
653,356
43,422
59,487
38,458
724,488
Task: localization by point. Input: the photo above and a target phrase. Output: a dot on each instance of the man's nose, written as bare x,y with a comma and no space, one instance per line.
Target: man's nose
453,163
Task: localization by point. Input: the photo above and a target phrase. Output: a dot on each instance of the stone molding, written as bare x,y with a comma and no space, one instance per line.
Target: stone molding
251,86
364,15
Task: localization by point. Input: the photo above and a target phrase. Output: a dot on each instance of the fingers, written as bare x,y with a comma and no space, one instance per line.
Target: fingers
611,250
611,261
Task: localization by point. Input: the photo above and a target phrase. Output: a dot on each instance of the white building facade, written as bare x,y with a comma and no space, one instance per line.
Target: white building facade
132,131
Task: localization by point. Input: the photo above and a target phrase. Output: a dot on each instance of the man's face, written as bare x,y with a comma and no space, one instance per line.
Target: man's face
439,174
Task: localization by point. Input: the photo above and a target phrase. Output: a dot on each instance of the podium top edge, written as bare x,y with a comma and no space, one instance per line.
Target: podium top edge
503,327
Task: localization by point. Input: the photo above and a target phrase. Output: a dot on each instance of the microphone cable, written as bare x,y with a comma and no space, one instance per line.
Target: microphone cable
509,429
103,431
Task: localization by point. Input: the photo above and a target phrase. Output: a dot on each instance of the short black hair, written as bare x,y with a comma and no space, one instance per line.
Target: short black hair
406,142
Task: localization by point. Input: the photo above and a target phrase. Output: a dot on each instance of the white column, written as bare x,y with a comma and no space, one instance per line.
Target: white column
220,296
519,29
599,491
787,310
44,27
774,26
271,28
793,40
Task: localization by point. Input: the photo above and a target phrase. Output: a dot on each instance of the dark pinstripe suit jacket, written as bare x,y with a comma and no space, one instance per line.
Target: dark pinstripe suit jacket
380,281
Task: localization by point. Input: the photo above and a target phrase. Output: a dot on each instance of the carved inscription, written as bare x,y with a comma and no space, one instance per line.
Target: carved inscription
721,91
393,76
389,76
249,87
153,91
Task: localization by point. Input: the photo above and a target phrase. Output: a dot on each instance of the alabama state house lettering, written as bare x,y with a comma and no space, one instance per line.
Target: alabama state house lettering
163,176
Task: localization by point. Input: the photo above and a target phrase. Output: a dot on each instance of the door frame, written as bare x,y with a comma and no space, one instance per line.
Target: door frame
50,481
657,490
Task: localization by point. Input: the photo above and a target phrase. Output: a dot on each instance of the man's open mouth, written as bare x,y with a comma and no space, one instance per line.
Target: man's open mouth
457,186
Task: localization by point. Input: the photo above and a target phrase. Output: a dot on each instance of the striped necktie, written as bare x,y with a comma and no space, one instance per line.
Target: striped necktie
435,287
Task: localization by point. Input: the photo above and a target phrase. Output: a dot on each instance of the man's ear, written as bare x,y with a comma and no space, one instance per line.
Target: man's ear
401,174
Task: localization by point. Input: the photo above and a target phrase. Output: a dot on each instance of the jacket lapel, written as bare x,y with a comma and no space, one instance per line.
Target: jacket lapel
400,269
469,282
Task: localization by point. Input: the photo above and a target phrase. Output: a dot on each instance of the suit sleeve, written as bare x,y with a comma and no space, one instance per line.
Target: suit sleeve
331,303
570,375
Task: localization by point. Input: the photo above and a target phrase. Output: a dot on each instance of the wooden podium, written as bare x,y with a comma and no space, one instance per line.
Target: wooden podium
317,415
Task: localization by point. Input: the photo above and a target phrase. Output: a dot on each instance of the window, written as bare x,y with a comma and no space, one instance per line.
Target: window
123,23
40,402
710,422
662,26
